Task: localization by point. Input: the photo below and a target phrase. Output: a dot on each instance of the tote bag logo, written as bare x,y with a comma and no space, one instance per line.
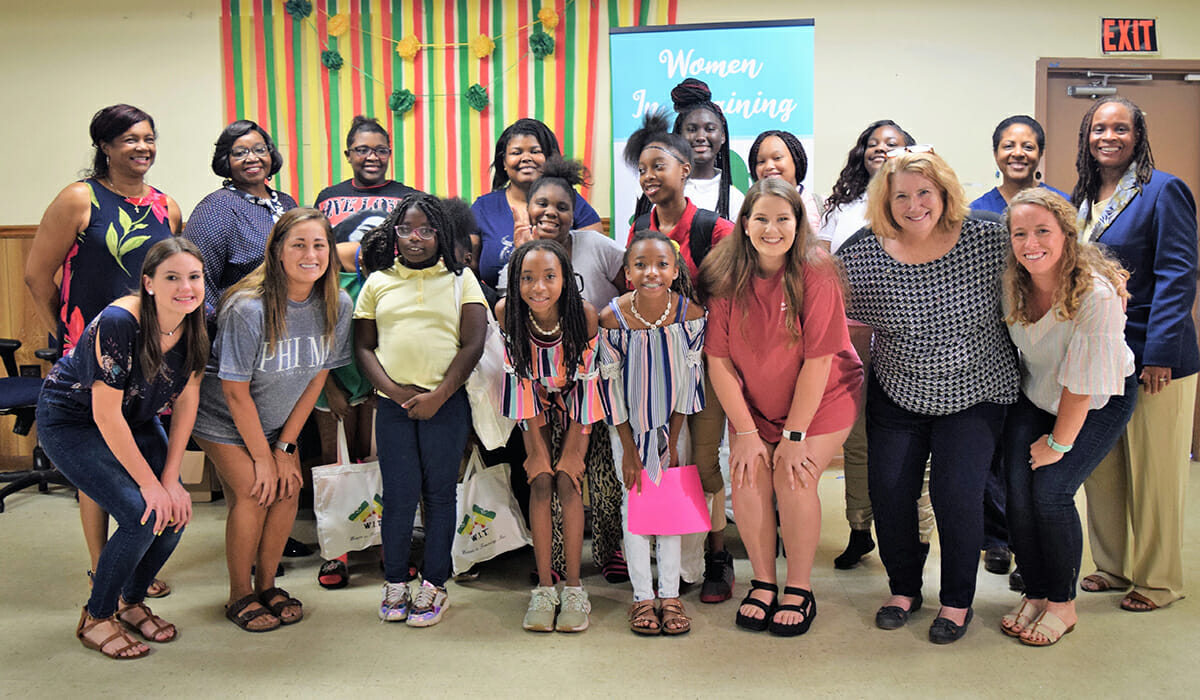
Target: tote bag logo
368,513
475,524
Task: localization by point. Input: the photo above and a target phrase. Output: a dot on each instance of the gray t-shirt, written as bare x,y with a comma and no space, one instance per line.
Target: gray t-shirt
278,375
597,260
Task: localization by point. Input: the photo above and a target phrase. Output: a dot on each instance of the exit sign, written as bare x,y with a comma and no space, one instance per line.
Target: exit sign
1128,35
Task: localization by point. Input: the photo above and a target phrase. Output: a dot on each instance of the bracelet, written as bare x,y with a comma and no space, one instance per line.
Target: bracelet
748,432
1057,447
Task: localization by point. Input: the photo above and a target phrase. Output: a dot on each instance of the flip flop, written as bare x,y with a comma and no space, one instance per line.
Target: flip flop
334,574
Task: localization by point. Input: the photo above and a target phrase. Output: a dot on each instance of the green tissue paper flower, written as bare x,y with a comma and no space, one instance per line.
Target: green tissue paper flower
298,8
477,97
402,100
541,44
331,59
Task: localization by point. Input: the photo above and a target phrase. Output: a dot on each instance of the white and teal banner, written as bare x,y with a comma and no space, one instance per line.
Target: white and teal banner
760,73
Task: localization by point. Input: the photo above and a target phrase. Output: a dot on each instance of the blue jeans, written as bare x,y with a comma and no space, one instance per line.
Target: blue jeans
959,447
419,459
133,555
1043,522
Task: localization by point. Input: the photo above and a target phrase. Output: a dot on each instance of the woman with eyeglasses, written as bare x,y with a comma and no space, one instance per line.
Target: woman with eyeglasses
231,225
370,194
73,237
927,282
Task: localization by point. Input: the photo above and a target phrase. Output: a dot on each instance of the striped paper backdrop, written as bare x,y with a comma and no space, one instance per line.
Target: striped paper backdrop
273,75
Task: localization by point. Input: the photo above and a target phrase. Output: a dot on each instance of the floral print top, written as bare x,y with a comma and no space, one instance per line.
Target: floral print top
106,261
118,334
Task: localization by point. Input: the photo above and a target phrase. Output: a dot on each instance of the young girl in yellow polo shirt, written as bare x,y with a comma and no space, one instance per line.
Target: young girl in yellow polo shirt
417,347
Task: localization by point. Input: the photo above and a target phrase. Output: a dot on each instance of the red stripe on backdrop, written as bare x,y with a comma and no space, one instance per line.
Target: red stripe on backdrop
415,114
522,45
322,41
260,70
292,134
227,51
449,35
356,51
485,117
385,29
672,6
593,57
560,74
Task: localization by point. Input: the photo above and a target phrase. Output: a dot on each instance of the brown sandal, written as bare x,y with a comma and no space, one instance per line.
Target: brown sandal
674,619
238,615
1136,602
277,601
87,623
643,618
158,588
1095,583
146,617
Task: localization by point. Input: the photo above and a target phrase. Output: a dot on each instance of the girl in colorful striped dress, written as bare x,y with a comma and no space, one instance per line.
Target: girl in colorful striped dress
551,386
652,377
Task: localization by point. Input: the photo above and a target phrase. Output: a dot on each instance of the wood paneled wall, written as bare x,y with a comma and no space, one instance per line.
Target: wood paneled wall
18,320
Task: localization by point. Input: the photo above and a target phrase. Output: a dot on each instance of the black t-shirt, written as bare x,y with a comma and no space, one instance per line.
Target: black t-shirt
345,199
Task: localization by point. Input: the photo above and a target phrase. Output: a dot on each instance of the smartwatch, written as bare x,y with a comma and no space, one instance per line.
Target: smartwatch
793,435
285,447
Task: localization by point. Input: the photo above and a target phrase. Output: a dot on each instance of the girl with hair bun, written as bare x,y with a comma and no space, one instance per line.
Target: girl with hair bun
702,123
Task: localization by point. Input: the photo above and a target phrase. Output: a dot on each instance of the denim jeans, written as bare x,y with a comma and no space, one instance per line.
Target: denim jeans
1044,524
959,447
419,459
133,555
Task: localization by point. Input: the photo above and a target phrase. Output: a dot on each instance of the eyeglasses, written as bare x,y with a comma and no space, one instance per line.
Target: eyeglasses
242,153
364,151
918,148
425,233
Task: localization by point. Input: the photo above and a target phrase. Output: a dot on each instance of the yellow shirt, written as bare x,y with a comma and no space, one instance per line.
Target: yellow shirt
416,320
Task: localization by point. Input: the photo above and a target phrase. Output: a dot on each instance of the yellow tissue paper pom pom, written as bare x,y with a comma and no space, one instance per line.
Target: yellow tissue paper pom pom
407,47
338,24
548,17
482,46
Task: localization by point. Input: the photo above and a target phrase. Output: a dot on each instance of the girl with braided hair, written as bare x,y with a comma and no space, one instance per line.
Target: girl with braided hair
846,206
780,154
552,387
419,327
702,123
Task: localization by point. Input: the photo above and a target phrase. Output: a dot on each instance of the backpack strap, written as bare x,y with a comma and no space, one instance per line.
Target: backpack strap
642,222
700,237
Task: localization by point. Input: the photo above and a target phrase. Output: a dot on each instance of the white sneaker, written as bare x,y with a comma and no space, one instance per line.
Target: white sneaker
394,607
575,609
542,606
428,606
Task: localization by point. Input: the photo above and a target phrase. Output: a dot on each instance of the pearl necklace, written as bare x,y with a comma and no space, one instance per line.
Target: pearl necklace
542,331
656,324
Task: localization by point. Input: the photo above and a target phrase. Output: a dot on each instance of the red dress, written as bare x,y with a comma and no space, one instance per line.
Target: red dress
752,333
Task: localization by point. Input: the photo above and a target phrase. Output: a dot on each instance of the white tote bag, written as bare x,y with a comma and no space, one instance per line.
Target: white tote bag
348,501
489,519
486,384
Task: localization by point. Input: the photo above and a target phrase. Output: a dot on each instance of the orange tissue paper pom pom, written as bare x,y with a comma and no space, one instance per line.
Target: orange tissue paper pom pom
548,18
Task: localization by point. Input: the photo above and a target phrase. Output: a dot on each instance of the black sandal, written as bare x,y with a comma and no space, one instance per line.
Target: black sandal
238,615
755,624
279,606
807,608
334,574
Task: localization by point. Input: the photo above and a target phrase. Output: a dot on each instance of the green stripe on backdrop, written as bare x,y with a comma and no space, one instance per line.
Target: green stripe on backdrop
397,83
426,105
568,87
239,72
644,13
466,135
499,97
539,72
301,194
368,53
334,102
269,48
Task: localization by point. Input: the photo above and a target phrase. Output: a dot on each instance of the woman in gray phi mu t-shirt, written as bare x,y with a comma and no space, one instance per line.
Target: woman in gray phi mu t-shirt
260,385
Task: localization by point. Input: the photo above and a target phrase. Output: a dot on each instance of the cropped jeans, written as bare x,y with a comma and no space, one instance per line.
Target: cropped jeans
134,554
419,459
1043,523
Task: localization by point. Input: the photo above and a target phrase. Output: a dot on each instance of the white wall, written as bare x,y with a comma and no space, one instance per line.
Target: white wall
948,71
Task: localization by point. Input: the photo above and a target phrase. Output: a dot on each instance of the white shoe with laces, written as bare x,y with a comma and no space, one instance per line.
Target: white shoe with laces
394,607
575,608
428,606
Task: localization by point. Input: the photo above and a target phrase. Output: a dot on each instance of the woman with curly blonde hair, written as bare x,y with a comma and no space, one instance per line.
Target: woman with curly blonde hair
1064,306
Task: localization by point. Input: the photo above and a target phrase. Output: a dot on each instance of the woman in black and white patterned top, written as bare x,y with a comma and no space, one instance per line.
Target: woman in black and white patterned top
928,283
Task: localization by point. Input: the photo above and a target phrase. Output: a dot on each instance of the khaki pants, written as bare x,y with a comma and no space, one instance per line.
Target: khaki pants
1136,496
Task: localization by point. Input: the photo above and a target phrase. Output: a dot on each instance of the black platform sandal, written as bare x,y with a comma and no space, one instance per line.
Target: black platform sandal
807,608
755,624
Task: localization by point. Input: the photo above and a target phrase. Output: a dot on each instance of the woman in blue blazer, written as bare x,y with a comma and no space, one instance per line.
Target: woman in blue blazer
1147,218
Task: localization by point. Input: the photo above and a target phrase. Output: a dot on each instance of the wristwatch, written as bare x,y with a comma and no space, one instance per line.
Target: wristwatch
285,447
793,435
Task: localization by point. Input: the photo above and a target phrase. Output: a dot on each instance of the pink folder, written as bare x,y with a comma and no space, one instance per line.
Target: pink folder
676,506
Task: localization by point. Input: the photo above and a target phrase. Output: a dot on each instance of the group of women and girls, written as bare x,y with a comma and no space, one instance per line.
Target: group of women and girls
1019,339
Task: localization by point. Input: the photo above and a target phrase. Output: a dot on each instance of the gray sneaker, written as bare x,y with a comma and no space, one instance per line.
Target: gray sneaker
542,606
575,609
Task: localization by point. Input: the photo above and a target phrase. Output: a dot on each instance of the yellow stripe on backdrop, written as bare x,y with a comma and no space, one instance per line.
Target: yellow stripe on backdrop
454,144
